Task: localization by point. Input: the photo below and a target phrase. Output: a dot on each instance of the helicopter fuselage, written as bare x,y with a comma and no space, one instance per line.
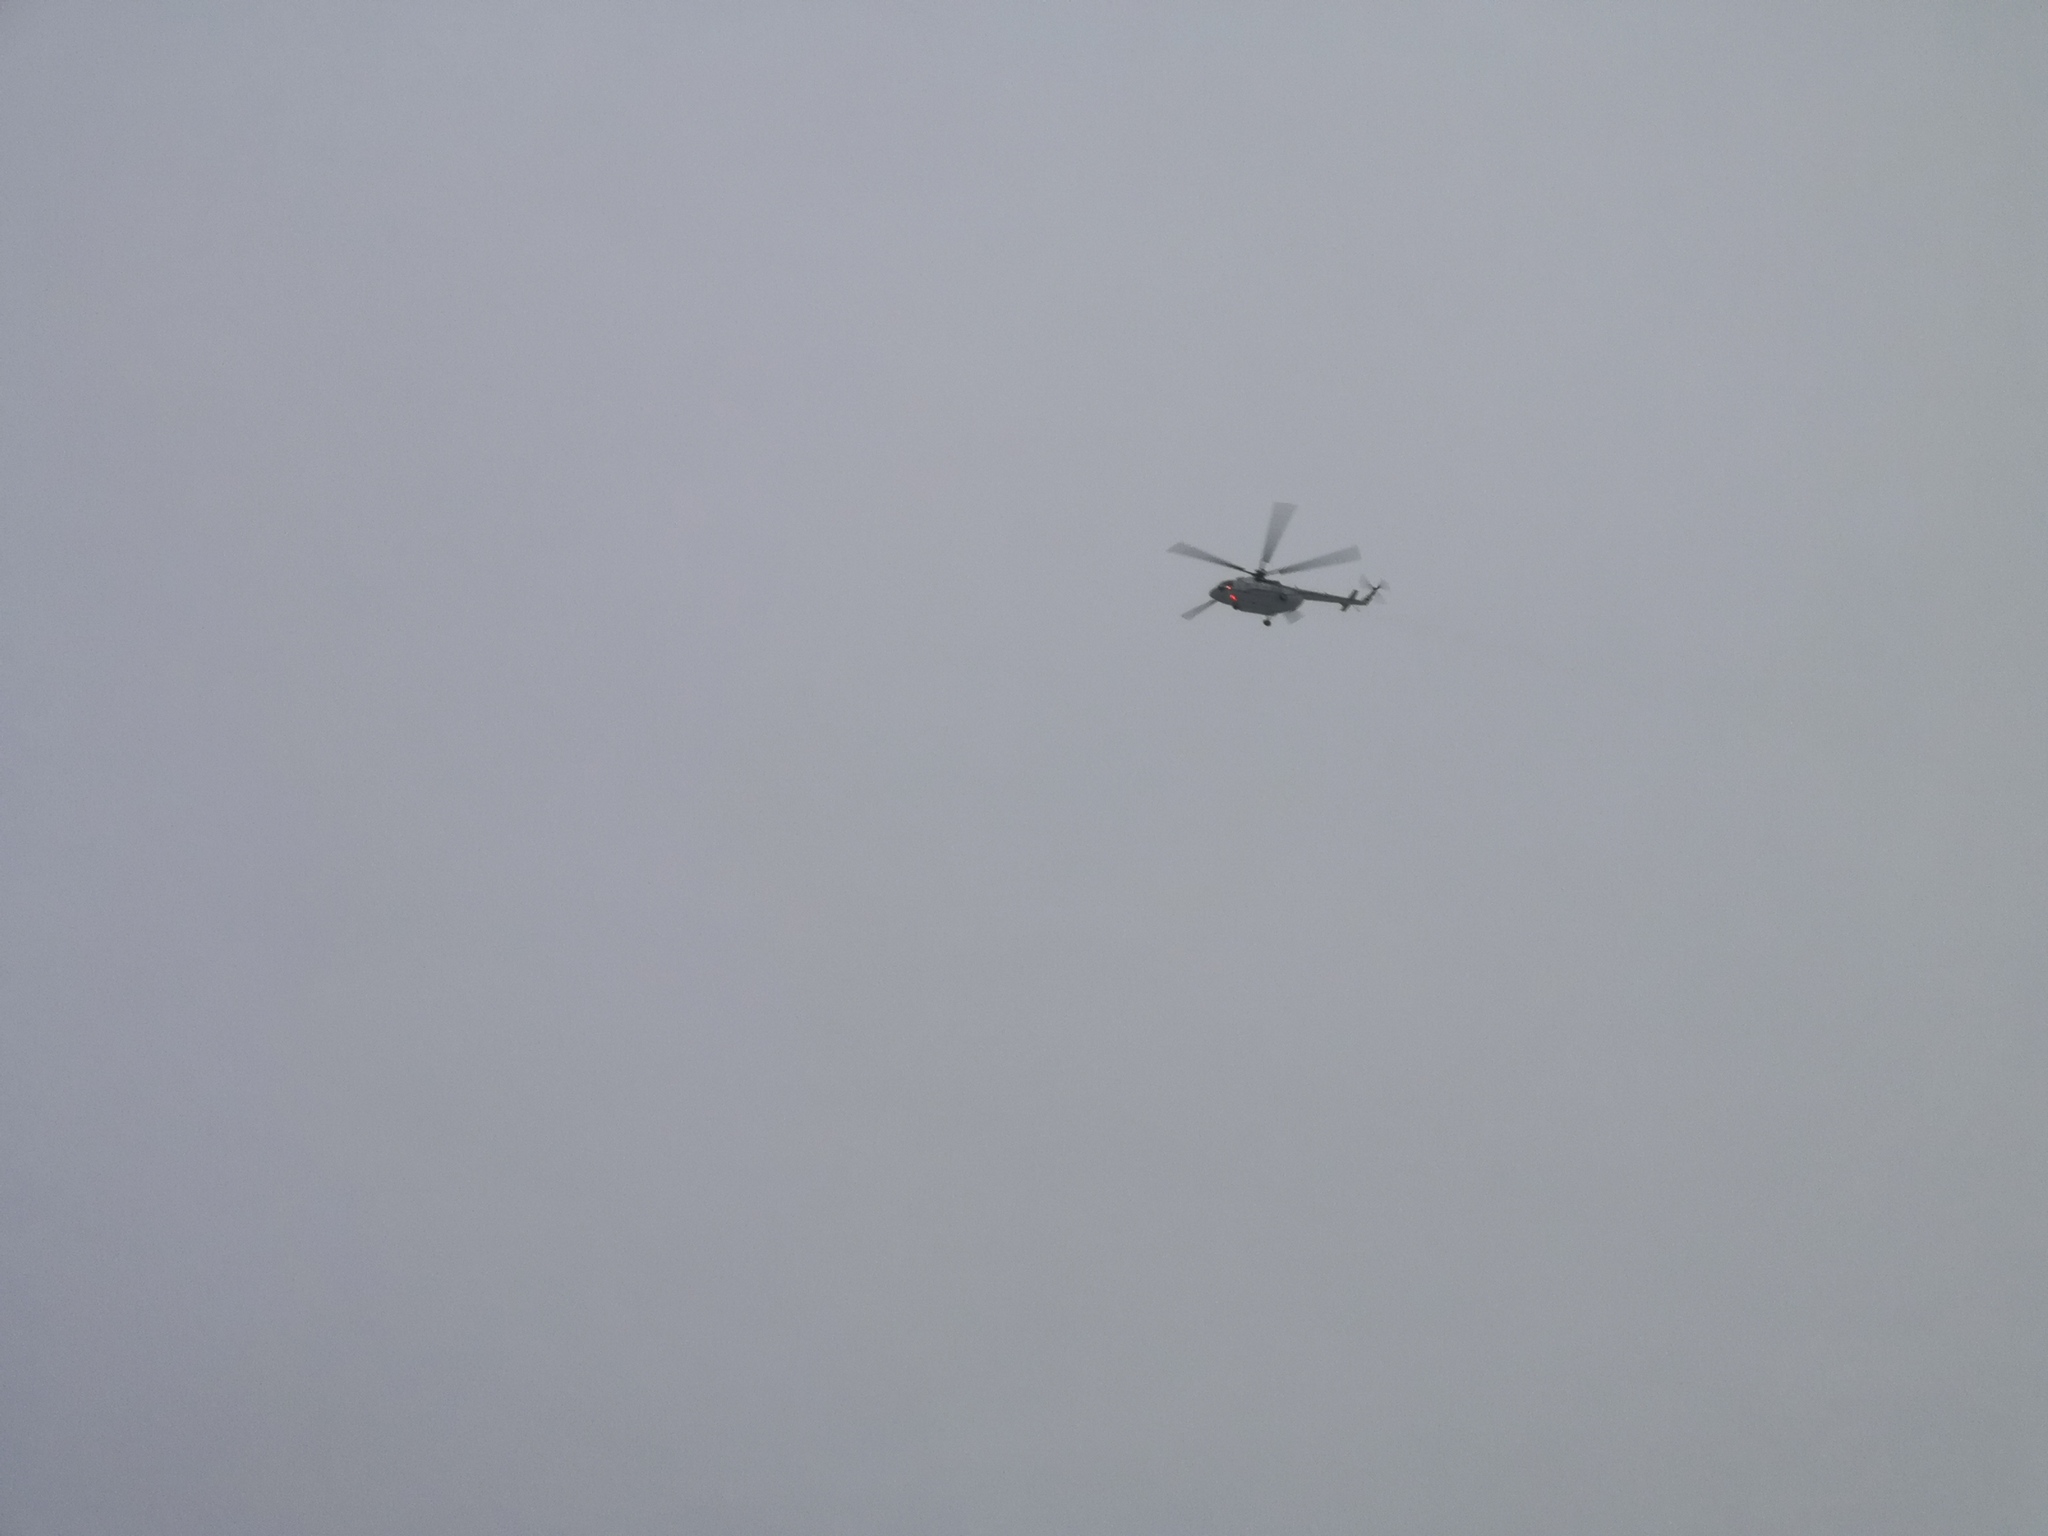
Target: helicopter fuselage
1248,594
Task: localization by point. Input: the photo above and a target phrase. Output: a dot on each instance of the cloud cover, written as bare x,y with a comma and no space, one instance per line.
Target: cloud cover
628,908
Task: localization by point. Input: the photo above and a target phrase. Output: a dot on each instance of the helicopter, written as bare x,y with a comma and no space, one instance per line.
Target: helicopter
1266,597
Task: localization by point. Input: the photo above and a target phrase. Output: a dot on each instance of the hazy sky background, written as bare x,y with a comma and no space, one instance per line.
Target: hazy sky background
629,910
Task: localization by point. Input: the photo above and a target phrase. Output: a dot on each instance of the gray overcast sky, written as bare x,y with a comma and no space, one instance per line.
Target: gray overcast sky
628,908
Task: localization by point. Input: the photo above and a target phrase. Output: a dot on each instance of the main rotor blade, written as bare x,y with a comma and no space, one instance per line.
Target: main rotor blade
1336,557
1198,608
1202,554
1283,513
